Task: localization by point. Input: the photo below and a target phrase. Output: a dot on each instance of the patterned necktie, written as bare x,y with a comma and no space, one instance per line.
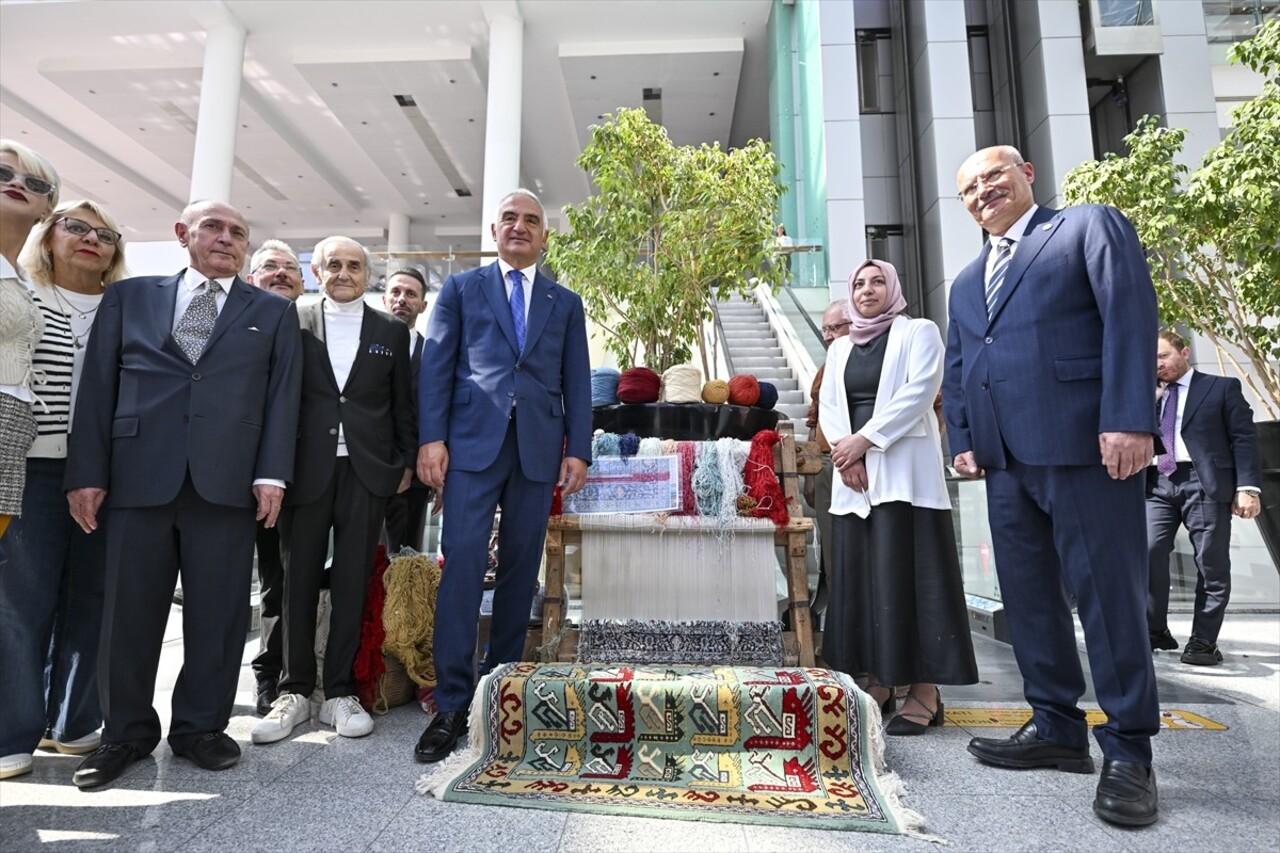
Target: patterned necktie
1004,253
1168,463
196,324
517,306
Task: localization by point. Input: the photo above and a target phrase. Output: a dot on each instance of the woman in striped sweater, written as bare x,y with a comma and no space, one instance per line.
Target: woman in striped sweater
51,589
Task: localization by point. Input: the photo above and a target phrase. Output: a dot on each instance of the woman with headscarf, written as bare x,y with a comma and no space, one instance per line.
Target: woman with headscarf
896,610
51,590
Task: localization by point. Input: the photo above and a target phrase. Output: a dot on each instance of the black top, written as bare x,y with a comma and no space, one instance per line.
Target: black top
862,379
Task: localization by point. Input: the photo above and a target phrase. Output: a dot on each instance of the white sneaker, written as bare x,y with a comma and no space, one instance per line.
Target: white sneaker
15,765
79,746
346,715
287,711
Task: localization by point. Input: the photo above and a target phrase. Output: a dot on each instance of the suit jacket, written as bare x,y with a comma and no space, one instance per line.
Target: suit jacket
475,375
374,407
146,416
1068,351
1217,427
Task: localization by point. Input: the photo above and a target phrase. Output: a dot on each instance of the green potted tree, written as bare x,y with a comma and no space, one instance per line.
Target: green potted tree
1212,236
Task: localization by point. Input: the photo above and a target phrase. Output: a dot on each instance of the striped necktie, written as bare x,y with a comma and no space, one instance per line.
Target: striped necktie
1004,253
517,306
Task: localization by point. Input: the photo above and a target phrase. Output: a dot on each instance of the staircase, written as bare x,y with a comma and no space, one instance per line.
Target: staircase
753,348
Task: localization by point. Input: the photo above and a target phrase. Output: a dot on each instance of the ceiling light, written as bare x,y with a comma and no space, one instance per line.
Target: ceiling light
406,101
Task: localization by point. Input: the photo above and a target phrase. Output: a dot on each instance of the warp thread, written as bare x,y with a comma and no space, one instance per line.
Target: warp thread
744,390
708,488
409,614
762,481
682,384
715,392
604,386
768,395
639,385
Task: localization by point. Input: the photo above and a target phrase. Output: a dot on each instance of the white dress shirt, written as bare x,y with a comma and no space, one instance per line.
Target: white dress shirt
192,279
1016,232
527,274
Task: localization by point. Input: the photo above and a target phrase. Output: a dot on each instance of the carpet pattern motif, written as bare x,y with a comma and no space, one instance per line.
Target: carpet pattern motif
692,642
767,745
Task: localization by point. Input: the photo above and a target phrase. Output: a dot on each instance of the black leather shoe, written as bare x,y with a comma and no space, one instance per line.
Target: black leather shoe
1127,794
106,764
441,736
1025,750
1162,640
214,751
268,691
1201,653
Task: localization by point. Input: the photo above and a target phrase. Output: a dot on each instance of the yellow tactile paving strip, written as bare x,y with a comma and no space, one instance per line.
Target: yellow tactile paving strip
1171,719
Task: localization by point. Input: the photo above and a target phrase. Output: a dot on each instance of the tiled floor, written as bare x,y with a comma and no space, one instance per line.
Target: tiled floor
1220,790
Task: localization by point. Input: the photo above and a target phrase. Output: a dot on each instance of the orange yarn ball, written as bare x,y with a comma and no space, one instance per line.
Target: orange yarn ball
744,390
715,392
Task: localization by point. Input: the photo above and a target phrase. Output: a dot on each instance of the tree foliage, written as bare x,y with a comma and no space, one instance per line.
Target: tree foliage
670,230
1212,234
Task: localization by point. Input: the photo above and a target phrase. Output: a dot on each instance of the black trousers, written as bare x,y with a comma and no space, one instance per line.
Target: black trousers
354,515
269,660
211,546
406,513
1179,499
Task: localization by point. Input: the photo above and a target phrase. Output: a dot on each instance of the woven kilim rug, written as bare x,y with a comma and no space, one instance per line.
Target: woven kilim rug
791,747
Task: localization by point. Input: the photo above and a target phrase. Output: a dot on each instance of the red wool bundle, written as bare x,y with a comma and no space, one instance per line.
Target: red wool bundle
369,664
688,453
639,385
744,390
761,481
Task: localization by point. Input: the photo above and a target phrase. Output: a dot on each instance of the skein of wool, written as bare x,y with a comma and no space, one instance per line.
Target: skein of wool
744,390
639,385
762,482
649,447
688,453
715,392
768,395
682,384
604,386
628,445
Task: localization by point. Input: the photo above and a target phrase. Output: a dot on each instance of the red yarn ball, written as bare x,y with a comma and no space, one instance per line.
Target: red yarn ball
639,385
744,390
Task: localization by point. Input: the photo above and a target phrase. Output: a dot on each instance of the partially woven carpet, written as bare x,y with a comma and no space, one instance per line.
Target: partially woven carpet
702,642
791,747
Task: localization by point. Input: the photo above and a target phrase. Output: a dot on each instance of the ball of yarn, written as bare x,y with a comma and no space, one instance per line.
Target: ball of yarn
604,386
639,385
715,392
768,395
682,384
744,390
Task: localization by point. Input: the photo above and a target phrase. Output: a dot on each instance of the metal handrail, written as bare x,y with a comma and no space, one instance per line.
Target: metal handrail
724,340
803,311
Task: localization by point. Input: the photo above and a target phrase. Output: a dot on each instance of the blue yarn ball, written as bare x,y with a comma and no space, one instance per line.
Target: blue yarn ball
768,396
604,386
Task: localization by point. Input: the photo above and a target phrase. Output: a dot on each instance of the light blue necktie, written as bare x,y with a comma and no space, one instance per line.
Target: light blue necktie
517,306
1004,253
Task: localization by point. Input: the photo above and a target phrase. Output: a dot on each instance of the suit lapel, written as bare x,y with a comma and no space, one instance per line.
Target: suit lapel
162,308
540,305
238,299
1043,224
969,283
311,319
496,292
1198,390
362,348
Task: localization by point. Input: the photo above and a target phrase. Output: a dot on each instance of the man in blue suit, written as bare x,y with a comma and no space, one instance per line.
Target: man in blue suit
1048,391
185,432
504,414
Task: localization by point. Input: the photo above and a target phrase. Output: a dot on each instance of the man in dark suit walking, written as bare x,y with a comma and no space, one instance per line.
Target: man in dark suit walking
355,450
1048,390
1209,470
184,432
504,414
405,297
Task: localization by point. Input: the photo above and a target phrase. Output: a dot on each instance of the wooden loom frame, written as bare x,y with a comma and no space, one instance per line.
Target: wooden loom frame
790,460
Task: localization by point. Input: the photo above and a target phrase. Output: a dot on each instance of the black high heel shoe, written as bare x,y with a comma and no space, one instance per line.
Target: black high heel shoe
902,726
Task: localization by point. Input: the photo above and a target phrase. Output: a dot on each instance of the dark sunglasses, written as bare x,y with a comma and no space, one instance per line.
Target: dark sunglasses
39,186
80,228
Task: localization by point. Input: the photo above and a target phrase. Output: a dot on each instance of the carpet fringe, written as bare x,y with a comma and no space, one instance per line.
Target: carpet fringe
891,784
434,782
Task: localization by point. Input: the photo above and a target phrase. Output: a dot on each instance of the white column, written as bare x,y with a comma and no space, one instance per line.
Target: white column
397,240
215,150
502,116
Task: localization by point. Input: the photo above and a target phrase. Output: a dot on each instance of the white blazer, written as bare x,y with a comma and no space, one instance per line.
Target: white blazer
905,461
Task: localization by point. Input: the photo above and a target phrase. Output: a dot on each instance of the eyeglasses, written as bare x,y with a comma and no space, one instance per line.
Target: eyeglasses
273,267
988,178
835,327
80,228
39,186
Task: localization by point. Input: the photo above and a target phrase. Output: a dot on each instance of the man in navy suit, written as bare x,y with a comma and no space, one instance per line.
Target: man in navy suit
1209,470
184,432
1048,390
504,413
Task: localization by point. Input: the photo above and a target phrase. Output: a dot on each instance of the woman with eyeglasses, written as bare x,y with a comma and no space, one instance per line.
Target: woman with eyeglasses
896,609
51,589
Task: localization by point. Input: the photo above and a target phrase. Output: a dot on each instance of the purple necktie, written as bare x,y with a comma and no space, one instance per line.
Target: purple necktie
1168,463
517,306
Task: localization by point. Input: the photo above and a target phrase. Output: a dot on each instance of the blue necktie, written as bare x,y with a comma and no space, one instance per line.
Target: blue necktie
1004,253
517,306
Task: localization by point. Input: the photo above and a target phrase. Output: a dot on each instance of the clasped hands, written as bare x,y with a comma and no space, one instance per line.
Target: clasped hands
848,455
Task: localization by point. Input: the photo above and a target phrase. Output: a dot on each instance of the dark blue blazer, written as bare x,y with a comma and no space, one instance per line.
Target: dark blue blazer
145,415
472,375
1069,351
1217,427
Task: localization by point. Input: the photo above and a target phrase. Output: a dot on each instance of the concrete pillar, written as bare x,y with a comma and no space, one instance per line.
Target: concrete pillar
502,116
397,241
215,151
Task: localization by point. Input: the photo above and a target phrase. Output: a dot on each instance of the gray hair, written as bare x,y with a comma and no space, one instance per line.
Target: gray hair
194,209
319,254
527,194
273,246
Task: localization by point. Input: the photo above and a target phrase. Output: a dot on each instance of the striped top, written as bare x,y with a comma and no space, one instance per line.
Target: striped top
55,364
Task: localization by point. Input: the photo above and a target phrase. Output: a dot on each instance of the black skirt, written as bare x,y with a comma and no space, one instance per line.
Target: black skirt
897,598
